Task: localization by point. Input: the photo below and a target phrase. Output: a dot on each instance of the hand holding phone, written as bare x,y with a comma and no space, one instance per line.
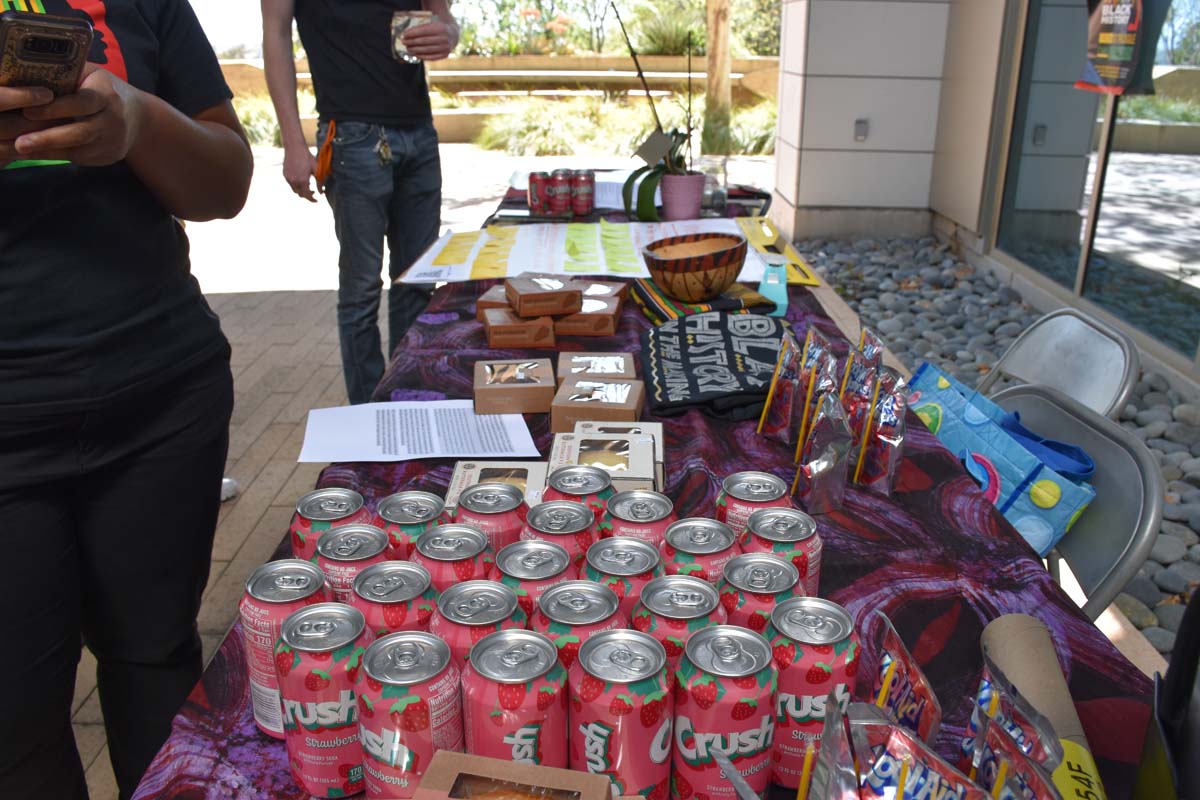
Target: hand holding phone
43,50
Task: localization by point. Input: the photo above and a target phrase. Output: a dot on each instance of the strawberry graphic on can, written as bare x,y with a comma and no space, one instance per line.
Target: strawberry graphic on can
743,493
453,554
570,525
317,660
590,486
639,514
531,567
404,516
394,596
625,565
674,607
621,712
728,679
752,584
467,612
571,611
515,699
497,509
791,535
408,708
344,553
816,649
699,548
321,511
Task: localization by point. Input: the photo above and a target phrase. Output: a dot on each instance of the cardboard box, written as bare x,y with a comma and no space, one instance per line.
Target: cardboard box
598,317
458,776
628,458
534,294
492,298
514,386
505,330
606,400
528,476
654,429
594,288
596,365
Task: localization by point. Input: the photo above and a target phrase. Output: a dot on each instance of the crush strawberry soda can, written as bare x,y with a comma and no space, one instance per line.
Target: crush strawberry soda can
621,713
570,525
317,659
816,650
320,511
467,612
408,709
743,493
699,548
674,607
569,613
497,509
724,701
789,534
453,554
394,596
639,514
273,593
344,553
752,584
580,483
515,699
404,516
625,565
531,567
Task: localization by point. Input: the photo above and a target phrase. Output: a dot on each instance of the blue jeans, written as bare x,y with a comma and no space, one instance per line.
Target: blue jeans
374,197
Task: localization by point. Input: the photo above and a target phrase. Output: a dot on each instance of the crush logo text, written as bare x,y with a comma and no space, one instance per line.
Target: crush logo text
386,747
524,743
809,708
316,716
697,748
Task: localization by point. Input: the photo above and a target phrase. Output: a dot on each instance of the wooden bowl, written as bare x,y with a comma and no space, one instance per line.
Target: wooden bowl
697,266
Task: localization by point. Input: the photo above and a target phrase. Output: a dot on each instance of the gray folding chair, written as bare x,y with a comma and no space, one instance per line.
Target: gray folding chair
1076,354
1109,543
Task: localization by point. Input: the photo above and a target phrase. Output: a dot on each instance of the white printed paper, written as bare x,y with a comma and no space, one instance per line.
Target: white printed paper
410,430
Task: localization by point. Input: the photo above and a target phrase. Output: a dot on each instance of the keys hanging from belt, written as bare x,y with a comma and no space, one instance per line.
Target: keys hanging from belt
383,149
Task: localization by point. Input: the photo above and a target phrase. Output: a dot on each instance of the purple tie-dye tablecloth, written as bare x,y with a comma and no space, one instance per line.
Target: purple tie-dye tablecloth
937,557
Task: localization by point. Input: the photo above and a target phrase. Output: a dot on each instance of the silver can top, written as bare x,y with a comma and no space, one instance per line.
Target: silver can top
761,573
513,656
406,658
578,602
728,650
680,597
491,498
327,505
640,505
782,524
579,480
322,627
622,656
812,620
285,581
452,543
352,543
410,508
392,582
699,536
532,560
623,556
560,517
477,603
754,487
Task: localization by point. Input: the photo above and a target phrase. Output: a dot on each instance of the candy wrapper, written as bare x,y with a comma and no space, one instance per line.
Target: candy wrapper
833,776
1003,765
892,681
871,346
858,391
998,700
895,764
779,410
820,377
820,481
882,444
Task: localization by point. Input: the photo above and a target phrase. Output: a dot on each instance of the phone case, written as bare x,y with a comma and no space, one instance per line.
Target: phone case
43,50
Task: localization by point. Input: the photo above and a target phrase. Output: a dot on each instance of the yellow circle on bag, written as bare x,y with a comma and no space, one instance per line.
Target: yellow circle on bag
1045,494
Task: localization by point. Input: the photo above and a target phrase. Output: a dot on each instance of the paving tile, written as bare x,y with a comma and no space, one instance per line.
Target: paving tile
302,480
100,781
297,408
264,448
90,740
85,679
89,712
244,435
220,603
249,508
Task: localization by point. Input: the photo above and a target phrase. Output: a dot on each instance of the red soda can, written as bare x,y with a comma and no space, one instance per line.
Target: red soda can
558,193
467,612
347,551
583,192
752,584
394,596
515,699
408,708
674,607
454,553
591,486
571,526
497,509
531,567
404,516
624,565
816,649
640,514
698,547
621,712
571,611
743,493
791,535
539,185
725,702
317,659
274,591
322,510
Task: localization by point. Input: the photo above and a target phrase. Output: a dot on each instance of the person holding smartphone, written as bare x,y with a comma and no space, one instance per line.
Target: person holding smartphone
378,162
115,388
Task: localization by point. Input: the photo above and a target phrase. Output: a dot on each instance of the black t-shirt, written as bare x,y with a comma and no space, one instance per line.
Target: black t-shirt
96,294
349,47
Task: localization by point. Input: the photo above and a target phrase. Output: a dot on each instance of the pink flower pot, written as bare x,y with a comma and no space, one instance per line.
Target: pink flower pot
682,195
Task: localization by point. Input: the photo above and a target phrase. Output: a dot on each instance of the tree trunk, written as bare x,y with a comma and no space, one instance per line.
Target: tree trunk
719,97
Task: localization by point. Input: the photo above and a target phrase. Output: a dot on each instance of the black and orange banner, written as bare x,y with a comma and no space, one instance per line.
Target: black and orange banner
1122,40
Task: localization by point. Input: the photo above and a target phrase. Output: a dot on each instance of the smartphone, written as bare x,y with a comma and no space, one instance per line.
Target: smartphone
43,50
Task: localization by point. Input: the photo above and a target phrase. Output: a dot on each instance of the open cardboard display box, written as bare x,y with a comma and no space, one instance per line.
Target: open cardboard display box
458,776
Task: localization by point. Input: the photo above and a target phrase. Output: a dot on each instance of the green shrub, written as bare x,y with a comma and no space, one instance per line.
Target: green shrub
258,119
540,128
753,129
1159,109
665,31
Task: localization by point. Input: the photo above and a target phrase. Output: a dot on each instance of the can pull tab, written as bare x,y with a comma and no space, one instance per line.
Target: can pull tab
700,536
348,546
414,510
334,506
317,629
623,557
760,578
475,606
628,660
686,599
535,558
810,622
571,481
518,655
385,586
758,487
447,544
574,601
726,649
557,520
296,583
641,510
406,656
782,525
487,499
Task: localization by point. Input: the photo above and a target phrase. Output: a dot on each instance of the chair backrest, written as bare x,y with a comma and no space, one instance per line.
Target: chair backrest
1076,354
1112,539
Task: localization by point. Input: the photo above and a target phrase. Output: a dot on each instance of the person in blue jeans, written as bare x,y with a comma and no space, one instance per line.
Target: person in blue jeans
379,164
